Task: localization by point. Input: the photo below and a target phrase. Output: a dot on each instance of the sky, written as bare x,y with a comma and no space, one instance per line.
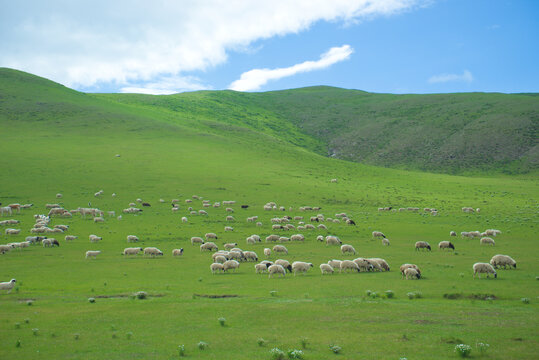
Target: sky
383,46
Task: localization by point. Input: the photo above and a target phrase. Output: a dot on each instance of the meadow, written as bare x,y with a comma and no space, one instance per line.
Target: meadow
55,140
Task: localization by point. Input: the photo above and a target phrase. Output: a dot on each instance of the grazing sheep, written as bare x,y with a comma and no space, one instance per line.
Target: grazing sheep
132,238
479,268
210,236
280,248
326,269
63,227
221,259
284,239
262,267
347,249
111,213
406,266
231,264
202,212
487,241
196,240
381,263
69,237
364,264
301,266
378,234
410,273
309,226
320,238
267,252
276,269
333,240
13,231
285,264
229,246
132,251
217,267
229,209
272,237
92,253
374,265
46,242
468,209
94,238
152,251
259,223
184,219
452,233
348,265
503,260
250,255
385,242
336,264
5,248
446,245
177,252
422,245
131,210
210,246
230,218
8,285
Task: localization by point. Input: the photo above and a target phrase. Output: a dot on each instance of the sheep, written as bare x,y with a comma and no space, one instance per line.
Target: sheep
363,264
99,219
152,251
322,226
280,248
217,267
210,246
374,265
5,248
468,209
309,226
385,242
487,241
277,227
202,212
446,245
452,233
272,238
184,219
378,234
326,269
70,237
422,245
8,285
301,266
236,255
37,239
131,210
13,231
10,222
92,253
348,265
210,236
51,206
177,252
196,240
320,238
94,238
262,267
132,251
132,238
284,239
50,242
220,253
406,266
347,249
333,240
250,255
259,224
410,273
381,263
503,260
229,246
276,269
336,264
220,259
284,263
111,213
479,268
267,252
231,264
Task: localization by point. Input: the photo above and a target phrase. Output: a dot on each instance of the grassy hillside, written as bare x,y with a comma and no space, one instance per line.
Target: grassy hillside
55,140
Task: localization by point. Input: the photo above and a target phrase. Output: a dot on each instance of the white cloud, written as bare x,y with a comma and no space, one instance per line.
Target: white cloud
167,86
254,79
128,42
466,76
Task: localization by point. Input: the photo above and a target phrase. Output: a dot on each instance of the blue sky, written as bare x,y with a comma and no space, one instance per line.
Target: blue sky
395,46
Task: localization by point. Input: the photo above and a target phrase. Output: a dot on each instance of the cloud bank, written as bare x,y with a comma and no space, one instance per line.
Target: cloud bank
254,79
466,76
130,43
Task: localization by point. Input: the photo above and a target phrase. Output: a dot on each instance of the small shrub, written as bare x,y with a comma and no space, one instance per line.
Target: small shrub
199,279
129,335
261,342
335,348
35,331
482,347
30,302
202,345
17,325
18,343
414,295
410,295
295,354
91,300
181,350
222,321
463,350
273,292
525,300
76,336
141,295
27,321
304,342
277,354
368,292
390,294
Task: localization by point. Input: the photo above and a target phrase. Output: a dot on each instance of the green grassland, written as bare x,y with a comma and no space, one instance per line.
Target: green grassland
56,140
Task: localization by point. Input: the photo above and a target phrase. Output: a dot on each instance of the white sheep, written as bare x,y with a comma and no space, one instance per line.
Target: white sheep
229,246
407,266
267,252
333,240
152,251
385,242
381,263
347,249
336,264
261,268
301,267
132,251
487,241
196,240
272,237
479,268
446,245
71,237
363,264
250,255
210,236
280,248
13,231
276,269
378,234
210,246
132,238
99,219
92,253
217,267
422,245
503,260
348,265
177,252
184,219
231,264
326,269
221,259
8,285
5,248
410,273
94,238
284,263
452,233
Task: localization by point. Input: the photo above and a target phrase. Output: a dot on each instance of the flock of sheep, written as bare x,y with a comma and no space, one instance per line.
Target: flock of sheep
230,257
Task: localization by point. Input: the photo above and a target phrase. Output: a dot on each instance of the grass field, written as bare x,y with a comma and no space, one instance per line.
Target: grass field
55,140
